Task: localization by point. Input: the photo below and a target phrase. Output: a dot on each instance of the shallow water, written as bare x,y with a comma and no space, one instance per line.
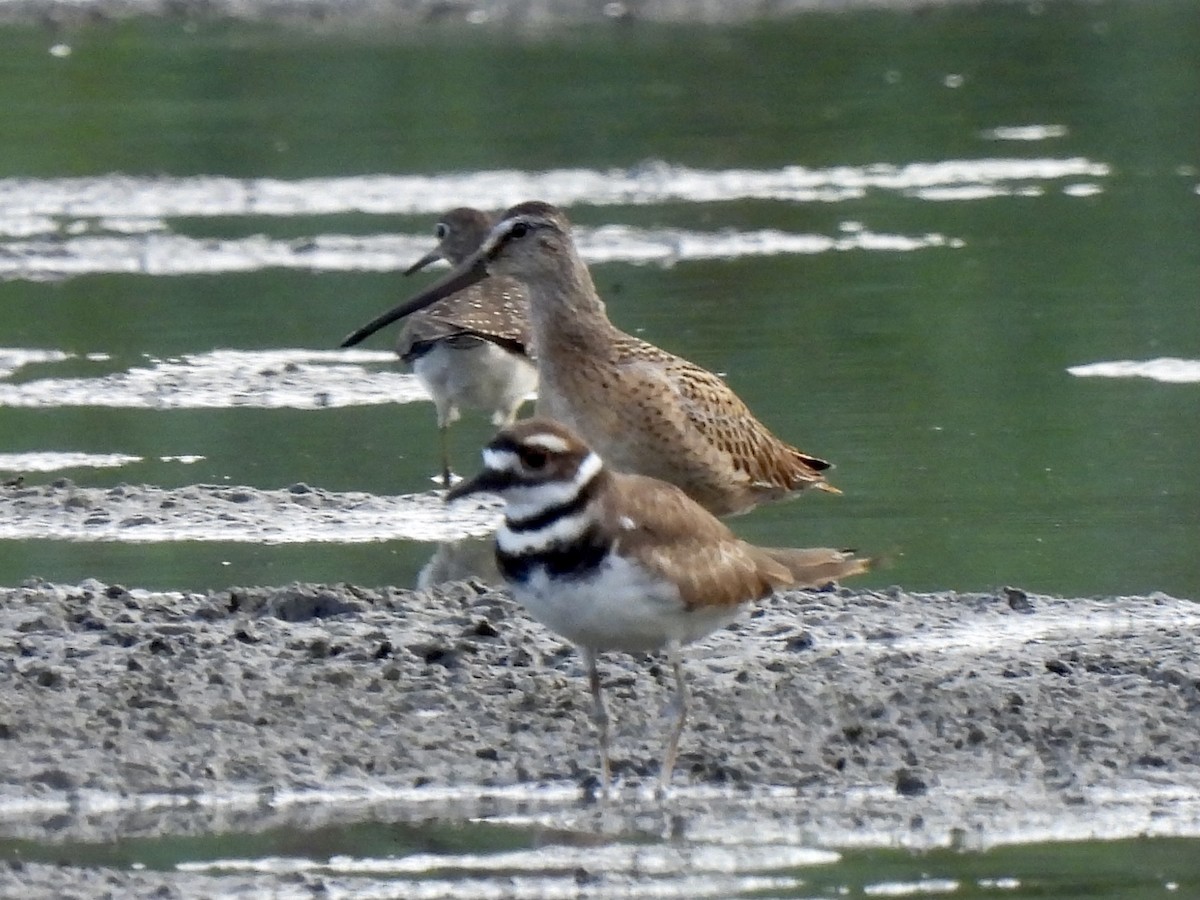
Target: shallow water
963,266
479,841
929,249
482,858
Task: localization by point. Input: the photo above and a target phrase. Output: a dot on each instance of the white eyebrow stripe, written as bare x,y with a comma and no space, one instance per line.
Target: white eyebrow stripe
502,228
588,469
551,443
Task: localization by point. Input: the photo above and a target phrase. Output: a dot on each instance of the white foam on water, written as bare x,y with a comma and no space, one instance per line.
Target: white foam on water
922,888
653,182
1001,884
1025,132
644,859
1167,369
52,461
158,254
14,358
264,379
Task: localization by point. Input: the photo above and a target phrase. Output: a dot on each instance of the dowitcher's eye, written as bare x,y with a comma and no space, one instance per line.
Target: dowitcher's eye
442,231
533,459
519,230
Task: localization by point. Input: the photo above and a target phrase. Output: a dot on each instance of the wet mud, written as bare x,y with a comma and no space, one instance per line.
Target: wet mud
842,717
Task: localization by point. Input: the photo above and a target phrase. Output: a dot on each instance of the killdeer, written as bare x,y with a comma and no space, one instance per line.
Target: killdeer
641,408
472,348
613,561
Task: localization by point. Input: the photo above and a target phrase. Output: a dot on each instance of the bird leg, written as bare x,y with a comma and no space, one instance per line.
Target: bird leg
443,432
679,704
601,716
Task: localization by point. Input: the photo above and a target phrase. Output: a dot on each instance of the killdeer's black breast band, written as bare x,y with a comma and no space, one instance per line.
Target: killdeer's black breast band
570,560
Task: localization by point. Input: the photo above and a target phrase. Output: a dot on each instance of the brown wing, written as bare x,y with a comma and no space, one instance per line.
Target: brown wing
711,416
672,535
495,309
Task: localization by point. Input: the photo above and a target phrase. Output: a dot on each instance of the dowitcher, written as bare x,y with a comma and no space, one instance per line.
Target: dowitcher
472,348
644,410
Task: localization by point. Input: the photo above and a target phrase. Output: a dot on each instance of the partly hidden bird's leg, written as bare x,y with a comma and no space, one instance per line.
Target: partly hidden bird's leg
447,477
678,705
601,716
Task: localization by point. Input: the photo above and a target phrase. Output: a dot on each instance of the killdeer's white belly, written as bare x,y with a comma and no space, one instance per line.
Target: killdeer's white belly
617,605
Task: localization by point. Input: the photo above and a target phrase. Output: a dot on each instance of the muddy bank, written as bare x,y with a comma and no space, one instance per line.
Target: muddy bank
897,717
204,512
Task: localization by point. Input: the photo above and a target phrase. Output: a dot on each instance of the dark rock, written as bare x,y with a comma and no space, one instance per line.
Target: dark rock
799,642
1058,667
1018,600
484,628
56,779
908,784
295,605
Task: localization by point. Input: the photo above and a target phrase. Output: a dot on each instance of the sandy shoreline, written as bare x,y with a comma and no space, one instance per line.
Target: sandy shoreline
887,717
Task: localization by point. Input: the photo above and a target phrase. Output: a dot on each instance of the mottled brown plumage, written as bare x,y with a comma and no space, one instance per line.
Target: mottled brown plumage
644,410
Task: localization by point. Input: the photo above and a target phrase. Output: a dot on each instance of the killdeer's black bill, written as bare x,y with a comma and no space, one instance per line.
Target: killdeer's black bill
488,481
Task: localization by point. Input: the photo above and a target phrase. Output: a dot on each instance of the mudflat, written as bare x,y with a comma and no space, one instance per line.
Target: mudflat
882,717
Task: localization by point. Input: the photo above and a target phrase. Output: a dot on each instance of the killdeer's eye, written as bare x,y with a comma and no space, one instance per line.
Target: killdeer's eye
442,231
533,459
519,230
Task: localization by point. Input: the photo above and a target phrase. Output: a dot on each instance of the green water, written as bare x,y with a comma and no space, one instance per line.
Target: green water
1131,869
936,380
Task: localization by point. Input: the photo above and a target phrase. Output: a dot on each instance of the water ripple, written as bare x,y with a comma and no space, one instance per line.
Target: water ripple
169,254
655,182
1166,369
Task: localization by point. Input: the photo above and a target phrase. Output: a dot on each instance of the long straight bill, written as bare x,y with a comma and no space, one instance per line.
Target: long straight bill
470,272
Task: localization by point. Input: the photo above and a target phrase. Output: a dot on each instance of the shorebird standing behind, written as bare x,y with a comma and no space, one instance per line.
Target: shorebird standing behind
641,408
624,562
472,348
